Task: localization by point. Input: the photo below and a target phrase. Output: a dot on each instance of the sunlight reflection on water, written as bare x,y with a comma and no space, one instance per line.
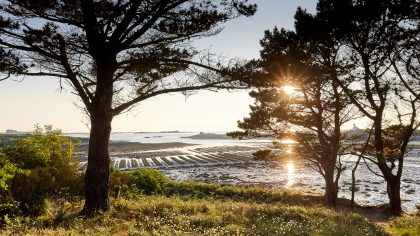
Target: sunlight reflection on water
290,168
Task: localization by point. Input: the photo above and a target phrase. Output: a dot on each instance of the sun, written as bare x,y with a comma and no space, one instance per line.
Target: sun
289,89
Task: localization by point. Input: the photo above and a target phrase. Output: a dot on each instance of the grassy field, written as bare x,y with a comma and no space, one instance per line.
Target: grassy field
161,215
406,225
209,209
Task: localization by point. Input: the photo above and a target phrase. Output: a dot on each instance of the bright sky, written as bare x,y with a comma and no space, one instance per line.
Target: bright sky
38,100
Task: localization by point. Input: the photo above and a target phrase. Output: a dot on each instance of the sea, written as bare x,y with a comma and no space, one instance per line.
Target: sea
176,137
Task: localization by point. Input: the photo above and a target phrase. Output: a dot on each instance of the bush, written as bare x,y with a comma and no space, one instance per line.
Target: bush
44,147
51,169
31,189
7,210
263,155
8,206
7,171
124,181
150,181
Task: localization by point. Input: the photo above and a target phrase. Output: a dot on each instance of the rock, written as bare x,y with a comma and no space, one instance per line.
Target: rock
410,191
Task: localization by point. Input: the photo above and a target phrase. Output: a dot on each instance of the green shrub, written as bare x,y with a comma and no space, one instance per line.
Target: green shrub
124,181
7,171
8,206
7,210
30,189
44,147
50,169
68,181
150,181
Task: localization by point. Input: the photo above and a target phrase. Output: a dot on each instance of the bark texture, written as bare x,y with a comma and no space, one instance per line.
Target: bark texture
97,173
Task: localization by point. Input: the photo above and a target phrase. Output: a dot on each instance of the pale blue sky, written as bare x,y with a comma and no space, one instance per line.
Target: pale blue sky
38,100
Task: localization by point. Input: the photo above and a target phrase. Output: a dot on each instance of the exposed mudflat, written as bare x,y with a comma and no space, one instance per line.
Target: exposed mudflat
371,190
233,164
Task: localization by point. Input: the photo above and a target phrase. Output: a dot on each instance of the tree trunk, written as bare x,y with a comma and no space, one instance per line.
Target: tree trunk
331,191
393,190
97,173
353,181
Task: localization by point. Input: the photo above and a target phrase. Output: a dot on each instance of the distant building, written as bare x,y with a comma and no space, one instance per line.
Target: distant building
355,128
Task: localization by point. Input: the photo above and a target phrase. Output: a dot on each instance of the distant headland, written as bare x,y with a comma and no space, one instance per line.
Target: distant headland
203,135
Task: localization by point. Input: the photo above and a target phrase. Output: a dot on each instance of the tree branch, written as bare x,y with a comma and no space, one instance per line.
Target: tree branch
117,110
149,24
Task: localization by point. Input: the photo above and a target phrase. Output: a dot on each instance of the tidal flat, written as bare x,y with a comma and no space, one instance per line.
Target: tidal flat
233,164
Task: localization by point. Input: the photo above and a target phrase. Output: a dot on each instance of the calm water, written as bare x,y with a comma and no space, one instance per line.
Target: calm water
174,137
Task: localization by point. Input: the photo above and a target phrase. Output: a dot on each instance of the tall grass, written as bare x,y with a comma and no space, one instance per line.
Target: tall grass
176,215
408,225
194,208
191,189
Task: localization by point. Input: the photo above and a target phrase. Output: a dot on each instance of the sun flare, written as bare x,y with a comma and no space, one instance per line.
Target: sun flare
289,89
